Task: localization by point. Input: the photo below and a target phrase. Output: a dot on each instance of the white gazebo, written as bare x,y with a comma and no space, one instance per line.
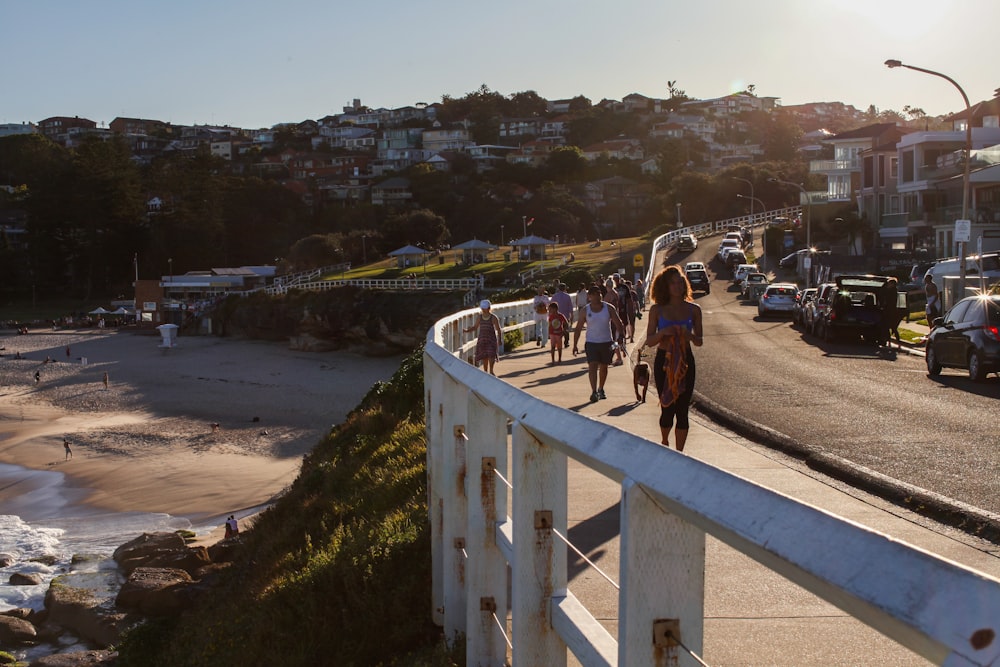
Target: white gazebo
474,251
532,247
409,255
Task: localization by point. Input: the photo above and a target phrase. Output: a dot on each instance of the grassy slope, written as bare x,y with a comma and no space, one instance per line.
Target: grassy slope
338,571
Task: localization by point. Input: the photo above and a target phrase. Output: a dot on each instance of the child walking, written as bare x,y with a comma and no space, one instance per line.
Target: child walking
558,327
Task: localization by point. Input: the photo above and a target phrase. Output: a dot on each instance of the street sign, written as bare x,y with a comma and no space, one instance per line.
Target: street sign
963,231
637,260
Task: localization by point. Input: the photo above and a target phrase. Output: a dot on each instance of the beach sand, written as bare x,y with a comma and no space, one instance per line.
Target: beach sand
146,444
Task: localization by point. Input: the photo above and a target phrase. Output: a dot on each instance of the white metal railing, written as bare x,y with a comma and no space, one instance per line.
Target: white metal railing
943,611
711,229
467,285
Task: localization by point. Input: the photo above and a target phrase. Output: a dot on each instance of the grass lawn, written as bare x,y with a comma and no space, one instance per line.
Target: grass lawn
603,259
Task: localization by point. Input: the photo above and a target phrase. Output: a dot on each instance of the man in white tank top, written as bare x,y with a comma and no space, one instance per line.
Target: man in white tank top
602,323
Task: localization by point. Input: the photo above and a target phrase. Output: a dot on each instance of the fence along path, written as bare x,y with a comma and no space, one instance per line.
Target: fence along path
683,532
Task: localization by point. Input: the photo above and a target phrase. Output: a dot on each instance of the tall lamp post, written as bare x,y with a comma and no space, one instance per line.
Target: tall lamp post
892,64
364,250
679,223
752,198
808,222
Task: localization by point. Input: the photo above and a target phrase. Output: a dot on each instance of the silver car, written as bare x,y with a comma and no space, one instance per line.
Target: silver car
777,298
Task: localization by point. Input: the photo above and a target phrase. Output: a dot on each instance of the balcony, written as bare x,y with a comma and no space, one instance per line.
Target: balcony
833,166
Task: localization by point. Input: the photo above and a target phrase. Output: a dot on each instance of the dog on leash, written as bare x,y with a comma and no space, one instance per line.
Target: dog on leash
640,378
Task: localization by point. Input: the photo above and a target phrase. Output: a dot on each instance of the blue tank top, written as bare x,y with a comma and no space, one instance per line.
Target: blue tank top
688,323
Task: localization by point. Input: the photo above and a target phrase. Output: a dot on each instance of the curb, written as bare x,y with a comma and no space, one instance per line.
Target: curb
967,518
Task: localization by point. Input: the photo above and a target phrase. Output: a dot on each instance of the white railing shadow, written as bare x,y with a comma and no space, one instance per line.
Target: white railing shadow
945,612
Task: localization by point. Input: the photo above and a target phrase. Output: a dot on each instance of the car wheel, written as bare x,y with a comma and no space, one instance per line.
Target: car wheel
976,372
933,367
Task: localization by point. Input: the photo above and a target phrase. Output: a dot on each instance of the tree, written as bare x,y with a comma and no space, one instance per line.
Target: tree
566,164
526,104
314,251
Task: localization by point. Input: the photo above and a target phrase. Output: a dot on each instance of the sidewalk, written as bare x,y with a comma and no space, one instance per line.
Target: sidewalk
753,617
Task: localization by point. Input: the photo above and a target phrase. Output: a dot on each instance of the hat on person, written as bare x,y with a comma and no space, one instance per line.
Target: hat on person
593,289
484,304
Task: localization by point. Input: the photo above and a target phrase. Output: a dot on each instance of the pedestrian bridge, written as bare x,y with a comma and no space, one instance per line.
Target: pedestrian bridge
499,500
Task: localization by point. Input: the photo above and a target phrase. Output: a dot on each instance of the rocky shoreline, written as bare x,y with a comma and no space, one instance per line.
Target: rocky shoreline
155,575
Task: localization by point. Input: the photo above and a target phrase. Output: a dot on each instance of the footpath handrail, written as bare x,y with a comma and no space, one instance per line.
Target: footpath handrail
943,611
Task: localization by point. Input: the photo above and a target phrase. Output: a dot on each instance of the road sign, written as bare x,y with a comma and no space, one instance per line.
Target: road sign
637,260
963,231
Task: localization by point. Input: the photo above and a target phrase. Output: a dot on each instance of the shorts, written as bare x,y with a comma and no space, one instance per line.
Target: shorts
598,352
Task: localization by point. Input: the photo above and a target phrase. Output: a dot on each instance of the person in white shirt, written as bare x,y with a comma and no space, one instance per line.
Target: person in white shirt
602,324
541,308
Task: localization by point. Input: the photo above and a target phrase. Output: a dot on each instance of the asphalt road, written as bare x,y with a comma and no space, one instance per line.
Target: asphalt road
871,409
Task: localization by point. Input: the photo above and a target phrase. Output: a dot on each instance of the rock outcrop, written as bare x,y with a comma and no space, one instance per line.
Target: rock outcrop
155,591
16,631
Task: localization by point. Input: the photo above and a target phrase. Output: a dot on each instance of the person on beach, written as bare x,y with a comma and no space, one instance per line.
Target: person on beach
490,336
674,325
232,528
38,377
602,323
105,380
558,328
67,449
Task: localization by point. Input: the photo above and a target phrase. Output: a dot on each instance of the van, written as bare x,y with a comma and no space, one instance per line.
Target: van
951,267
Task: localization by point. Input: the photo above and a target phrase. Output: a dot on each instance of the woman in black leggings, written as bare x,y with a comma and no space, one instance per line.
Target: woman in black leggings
674,325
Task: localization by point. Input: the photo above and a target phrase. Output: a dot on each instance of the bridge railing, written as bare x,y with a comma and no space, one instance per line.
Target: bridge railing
944,612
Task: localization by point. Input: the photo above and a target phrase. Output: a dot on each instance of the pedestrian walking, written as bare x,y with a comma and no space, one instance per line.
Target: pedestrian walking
558,327
673,326
933,309
38,377
67,449
564,299
490,337
603,324
889,313
540,304
105,380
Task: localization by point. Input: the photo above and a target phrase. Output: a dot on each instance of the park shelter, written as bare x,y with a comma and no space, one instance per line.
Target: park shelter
409,256
474,251
532,247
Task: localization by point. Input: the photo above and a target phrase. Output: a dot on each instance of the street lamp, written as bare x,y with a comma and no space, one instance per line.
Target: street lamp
892,64
364,250
808,222
679,223
752,198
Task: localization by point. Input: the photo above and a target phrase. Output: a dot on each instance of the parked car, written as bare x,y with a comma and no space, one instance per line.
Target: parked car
791,261
753,286
968,336
699,280
735,235
687,242
734,258
778,298
742,270
802,301
855,309
817,308
727,244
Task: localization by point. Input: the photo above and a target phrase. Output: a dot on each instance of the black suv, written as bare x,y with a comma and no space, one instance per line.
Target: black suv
854,308
968,336
699,280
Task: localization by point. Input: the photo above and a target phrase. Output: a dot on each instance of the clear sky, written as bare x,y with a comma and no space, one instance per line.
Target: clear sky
251,63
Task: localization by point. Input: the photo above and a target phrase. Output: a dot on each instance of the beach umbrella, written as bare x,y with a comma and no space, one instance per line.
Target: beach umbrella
99,311
120,311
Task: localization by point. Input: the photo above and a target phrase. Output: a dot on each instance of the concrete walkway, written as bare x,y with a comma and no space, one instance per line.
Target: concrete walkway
753,617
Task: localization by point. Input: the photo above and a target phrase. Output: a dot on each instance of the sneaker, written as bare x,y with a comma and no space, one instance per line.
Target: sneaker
600,393
594,397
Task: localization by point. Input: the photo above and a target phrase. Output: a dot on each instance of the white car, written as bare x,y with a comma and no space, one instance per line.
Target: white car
777,298
726,246
742,270
694,266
